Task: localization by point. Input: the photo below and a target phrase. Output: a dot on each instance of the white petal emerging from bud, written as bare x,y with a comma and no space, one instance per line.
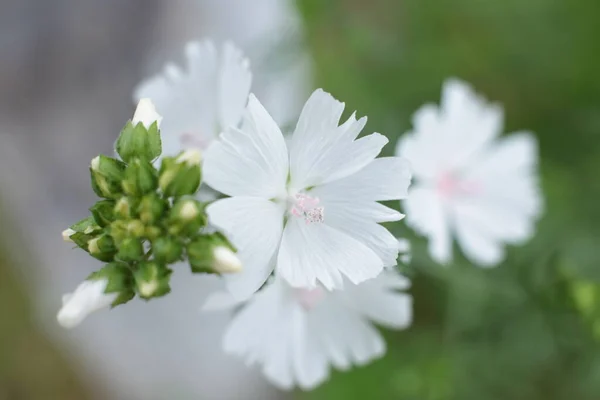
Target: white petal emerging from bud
66,234
87,298
190,157
93,246
146,114
226,261
189,211
95,164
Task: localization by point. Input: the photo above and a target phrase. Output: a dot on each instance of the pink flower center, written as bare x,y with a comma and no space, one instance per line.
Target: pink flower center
310,298
305,206
449,185
193,140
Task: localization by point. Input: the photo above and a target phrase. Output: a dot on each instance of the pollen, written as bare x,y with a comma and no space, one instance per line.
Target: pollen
305,206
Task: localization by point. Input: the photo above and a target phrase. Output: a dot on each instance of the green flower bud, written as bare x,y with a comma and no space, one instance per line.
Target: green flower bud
120,280
130,249
102,247
107,174
125,207
140,178
135,228
180,176
212,254
103,212
152,279
151,208
140,138
186,217
167,249
152,232
120,230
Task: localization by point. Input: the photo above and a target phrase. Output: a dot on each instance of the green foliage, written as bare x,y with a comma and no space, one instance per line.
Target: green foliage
527,329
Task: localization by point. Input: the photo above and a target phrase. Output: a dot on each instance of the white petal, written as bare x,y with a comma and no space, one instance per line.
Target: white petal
220,301
234,85
320,151
427,214
385,178
311,253
378,300
87,298
479,246
187,99
254,226
146,113
251,161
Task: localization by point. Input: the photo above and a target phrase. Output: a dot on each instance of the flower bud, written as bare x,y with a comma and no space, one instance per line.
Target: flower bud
186,217
140,178
152,279
151,208
110,286
107,174
103,212
102,247
140,137
130,249
125,207
167,249
180,176
212,254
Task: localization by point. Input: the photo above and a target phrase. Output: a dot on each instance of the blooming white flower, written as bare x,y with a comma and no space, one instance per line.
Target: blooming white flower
201,101
311,213
296,335
467,180
87,298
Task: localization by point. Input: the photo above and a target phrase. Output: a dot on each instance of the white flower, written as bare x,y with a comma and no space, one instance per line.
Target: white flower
468,181
202,100
145,113
311,213
404,248
296,335
87,298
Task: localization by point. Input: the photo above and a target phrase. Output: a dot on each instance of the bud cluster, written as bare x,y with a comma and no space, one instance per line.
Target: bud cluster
147,218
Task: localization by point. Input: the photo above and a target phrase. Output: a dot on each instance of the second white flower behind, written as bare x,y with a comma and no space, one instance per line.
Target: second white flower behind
469,182
310,212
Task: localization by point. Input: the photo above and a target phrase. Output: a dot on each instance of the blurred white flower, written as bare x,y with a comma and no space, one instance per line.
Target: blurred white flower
296,335
201,101
87,298
311,213
405,250
469,182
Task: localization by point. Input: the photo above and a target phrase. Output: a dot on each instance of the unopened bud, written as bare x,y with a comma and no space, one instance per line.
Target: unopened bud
103,212
124,208
102,248
107,174
89,296
212,254
130,249
140,178
180,176
167,249
140,137
151,208
152,279
186,217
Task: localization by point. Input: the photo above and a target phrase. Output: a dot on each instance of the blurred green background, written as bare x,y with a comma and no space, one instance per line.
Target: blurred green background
528,329
524,330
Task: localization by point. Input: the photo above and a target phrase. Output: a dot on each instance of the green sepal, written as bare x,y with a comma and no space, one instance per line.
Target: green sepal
130,250
103,212
167,249
140,178
82,239
120,280
102,248
200,252
178,178
152,279
106,176
86,225
152,208
135,141
125,207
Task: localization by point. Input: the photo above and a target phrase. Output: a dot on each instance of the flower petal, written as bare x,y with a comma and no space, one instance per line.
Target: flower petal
426,214
234,85
254,226
321,151
479,246
251,161
311,253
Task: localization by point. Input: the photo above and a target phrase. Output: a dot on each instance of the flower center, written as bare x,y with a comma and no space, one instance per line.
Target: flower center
450,185
305,206
310,298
